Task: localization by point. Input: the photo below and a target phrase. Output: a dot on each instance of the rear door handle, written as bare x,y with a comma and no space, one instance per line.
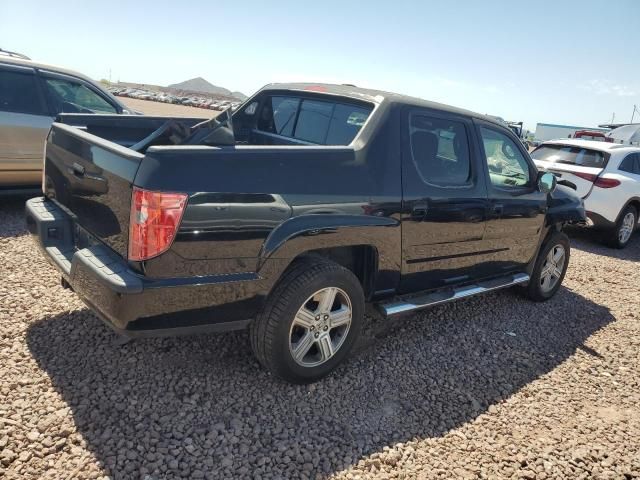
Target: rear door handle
420,210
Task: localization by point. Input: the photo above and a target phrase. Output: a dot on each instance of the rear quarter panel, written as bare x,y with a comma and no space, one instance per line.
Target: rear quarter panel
251,205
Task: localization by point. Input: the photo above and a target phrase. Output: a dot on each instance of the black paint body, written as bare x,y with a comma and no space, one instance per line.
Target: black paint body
253,209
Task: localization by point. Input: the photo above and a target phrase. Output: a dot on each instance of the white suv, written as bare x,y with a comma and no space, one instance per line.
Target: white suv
605,175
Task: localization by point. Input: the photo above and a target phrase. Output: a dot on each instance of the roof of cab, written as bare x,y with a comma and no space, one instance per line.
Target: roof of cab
377,96
20,62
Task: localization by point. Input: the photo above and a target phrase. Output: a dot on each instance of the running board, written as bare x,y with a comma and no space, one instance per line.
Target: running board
450,294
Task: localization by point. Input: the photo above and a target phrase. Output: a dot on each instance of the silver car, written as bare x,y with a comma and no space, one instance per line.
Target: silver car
31,95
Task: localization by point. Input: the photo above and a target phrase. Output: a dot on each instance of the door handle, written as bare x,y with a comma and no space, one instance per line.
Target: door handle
420,210
498,209
77,169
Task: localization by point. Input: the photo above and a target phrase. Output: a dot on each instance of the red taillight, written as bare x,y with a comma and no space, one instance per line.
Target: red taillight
598,181
155,218
589,177
606,182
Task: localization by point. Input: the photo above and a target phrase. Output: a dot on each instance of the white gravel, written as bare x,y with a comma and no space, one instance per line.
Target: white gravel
493,387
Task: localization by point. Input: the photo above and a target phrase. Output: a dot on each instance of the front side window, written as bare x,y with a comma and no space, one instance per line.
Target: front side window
19,93
74,97
440,150
507,165
314,121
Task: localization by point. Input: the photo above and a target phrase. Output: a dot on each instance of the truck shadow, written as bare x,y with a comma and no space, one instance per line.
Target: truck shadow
204,401
591,241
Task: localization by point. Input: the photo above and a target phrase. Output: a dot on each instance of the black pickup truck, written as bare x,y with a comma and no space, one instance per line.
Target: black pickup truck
290,214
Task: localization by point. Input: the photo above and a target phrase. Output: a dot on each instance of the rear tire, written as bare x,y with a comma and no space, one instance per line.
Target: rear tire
550,268
310,321
620,235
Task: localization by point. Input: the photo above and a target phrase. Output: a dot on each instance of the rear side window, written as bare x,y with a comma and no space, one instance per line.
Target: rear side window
74,97
440,150
19,93
315,121
571,155
631,164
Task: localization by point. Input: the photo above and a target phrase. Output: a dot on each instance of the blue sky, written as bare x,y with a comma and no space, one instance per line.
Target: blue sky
572,62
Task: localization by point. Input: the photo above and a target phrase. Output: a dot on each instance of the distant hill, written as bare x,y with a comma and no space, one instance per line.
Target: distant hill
199,84
239,95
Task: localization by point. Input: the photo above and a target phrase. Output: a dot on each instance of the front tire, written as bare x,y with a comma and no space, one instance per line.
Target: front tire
550,268
309,322
621,234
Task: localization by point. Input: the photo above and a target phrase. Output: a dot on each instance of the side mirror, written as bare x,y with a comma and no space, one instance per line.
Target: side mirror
547,182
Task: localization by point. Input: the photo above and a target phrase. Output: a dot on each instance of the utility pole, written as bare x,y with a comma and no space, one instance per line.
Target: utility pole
613,117
633,114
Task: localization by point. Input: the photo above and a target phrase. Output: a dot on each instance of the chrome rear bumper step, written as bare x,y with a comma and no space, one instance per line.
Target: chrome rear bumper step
450,294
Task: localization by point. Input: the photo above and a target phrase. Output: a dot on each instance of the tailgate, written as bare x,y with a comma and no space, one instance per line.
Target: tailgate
581,177
92,178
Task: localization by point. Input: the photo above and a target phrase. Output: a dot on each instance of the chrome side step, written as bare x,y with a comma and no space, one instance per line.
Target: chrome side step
450,294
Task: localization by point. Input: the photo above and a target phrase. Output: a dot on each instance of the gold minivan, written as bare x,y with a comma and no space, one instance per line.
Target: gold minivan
31,95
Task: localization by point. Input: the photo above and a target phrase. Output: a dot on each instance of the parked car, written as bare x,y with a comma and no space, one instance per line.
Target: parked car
606,176
353,196
592,135
31,95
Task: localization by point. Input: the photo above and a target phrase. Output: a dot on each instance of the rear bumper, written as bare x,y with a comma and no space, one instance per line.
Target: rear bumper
134,305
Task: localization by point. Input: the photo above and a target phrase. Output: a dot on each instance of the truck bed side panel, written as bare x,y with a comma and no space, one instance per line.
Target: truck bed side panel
92,178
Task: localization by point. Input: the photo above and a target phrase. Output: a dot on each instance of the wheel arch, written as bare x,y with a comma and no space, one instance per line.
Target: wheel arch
357,242
632,202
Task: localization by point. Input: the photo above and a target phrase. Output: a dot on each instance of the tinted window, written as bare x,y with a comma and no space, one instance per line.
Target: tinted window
313,121
507,165
440,150
631,164
74,97
571,155
346,122
18,93
278,115
628,164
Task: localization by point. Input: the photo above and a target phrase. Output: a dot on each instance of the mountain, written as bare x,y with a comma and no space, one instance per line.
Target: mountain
239,95
199,84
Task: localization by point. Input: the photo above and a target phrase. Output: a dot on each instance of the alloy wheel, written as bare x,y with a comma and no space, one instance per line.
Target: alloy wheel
552,268
626,229
320,327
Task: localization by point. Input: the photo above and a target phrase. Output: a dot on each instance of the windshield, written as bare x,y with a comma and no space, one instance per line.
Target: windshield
571,155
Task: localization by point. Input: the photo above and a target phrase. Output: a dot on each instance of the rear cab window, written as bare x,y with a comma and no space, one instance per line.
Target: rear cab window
311,120
571,155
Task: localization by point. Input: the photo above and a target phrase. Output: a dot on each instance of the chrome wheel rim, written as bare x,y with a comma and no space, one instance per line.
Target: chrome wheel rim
320,327
626,229
552,268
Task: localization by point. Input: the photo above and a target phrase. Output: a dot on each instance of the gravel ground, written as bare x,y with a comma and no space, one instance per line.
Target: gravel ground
492,387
